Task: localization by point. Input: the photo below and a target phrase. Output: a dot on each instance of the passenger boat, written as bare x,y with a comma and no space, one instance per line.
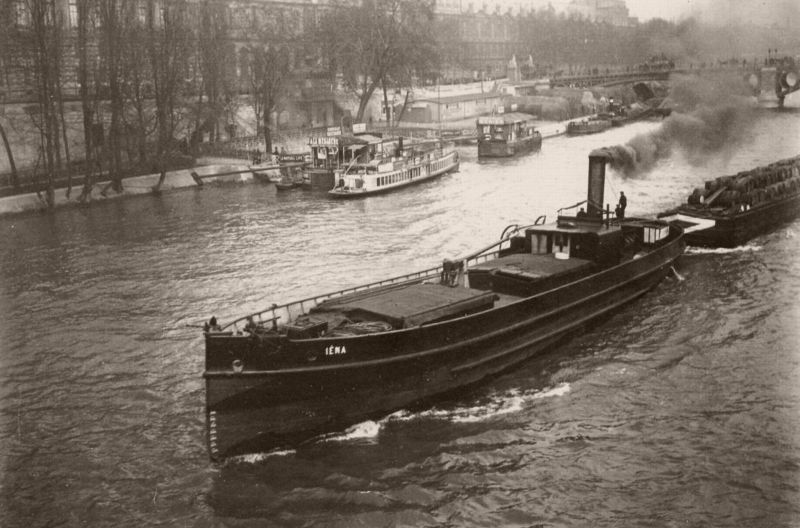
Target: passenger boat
332,153
730,210
505,135
396,164
591,125
286,374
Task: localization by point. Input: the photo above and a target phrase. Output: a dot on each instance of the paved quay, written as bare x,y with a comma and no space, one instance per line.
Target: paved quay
207,171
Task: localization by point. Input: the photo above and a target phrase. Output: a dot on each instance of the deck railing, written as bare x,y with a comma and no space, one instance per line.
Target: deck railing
286,313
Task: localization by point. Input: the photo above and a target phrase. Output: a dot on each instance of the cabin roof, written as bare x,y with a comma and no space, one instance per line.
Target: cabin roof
410,306
574,225
341,141
531,267
369,138
505,119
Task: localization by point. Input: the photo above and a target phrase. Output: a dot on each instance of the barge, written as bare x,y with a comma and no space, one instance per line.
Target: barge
506,135
730,210
591,125
289,373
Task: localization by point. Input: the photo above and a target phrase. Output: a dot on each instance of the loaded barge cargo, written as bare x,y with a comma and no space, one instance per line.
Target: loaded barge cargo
730,210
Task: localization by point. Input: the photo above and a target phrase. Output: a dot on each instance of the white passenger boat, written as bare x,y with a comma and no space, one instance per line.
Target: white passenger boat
391,164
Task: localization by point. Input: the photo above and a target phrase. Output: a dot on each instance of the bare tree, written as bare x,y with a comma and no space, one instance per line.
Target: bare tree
169,46
45,45
138,83
379,43
113,16
6,28
213,59
269,72
267,66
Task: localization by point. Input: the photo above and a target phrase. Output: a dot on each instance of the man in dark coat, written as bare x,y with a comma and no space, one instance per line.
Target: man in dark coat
623,203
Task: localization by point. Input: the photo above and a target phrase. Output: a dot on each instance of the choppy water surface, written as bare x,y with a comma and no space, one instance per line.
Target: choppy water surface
683,409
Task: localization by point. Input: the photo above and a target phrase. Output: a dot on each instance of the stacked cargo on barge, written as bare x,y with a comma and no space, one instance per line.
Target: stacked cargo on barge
285,374
730,210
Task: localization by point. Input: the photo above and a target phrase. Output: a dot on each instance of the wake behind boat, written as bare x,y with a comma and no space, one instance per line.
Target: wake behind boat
392,164
288,373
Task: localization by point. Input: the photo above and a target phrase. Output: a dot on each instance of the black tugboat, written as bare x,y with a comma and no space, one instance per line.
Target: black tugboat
289,373
730,210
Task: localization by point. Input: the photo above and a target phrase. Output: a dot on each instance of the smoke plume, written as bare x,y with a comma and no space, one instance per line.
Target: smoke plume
710,116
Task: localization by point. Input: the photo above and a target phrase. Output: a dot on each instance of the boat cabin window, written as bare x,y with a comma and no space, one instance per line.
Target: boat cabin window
561,243
539,244
653,234
326,157
494,132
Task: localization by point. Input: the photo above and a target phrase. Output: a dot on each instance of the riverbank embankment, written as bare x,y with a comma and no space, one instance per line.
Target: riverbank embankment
208,170
133,186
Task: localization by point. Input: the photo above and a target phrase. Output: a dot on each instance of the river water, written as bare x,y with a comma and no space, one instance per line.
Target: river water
682,409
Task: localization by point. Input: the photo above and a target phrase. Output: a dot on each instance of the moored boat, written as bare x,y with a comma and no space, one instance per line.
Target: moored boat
288,373
281,169
730,210
591,125
291,175
393,164
622,115
506,135
331,153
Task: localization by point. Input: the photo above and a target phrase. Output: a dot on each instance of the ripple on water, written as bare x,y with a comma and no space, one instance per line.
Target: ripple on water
679,409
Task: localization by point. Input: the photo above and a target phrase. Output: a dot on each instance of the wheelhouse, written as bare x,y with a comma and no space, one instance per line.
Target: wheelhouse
505,127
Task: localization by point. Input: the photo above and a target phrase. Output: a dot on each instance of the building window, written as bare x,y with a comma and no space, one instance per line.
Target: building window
141,13
22,16
73,13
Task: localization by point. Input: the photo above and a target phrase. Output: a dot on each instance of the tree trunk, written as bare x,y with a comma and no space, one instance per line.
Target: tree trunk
366,95
67,166
386,108
403,109
14,175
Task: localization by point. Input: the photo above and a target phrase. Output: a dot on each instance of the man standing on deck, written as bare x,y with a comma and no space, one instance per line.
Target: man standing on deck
623,203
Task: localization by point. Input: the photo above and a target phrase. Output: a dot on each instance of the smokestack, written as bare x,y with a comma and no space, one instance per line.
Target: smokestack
597,181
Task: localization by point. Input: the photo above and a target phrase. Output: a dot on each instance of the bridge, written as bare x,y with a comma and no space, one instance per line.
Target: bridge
775,78
609,79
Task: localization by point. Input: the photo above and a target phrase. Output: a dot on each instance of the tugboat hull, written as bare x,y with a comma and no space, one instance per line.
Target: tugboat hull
345,380
502,149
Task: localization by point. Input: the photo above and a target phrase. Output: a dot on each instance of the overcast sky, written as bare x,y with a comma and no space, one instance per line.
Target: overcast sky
666,9
761,12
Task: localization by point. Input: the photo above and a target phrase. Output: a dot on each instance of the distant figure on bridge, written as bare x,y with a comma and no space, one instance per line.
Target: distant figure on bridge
623,203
